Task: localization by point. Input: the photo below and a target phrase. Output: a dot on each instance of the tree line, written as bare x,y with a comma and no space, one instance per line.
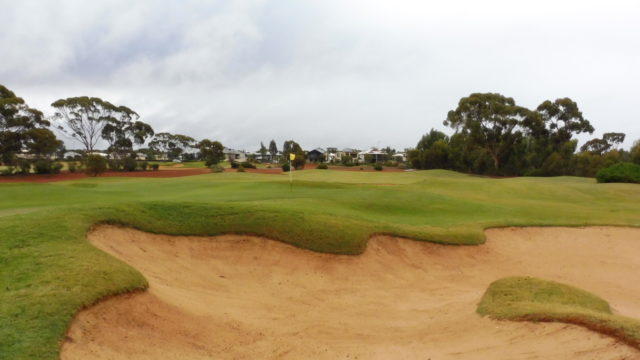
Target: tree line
492,135
495,136
88,120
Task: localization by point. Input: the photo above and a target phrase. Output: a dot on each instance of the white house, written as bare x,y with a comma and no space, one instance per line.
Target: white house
400,157
347,152
235,155
161,157
98,153
373,155
268,158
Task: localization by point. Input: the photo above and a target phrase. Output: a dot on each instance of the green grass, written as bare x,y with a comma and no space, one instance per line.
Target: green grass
48,270
530,299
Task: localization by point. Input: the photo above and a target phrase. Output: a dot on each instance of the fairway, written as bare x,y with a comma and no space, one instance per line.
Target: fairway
50,270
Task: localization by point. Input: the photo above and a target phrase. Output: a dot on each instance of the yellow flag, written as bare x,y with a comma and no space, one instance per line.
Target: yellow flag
292,156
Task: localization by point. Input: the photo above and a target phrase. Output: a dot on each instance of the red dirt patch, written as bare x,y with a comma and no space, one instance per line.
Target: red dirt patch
163,173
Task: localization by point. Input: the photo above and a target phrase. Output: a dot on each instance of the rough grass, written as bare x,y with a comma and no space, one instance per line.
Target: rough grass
48,271
530,299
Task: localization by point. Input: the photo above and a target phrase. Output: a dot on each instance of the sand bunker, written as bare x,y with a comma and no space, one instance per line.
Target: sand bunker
241,297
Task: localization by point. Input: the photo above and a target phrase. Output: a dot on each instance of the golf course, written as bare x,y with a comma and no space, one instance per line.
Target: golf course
412,264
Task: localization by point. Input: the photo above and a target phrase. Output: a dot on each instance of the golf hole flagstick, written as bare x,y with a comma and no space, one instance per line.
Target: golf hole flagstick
292,156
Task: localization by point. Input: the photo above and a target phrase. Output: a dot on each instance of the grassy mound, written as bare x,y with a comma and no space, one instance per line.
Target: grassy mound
530,299
620,173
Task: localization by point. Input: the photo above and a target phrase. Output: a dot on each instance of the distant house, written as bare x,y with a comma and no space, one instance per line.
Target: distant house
25,154
317,155
189,154
161,157
268,157
141,156
99,153
72,155
332,154
371,156
347,153
235,155
400,157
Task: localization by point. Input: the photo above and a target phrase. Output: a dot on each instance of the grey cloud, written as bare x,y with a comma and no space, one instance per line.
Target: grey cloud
326,73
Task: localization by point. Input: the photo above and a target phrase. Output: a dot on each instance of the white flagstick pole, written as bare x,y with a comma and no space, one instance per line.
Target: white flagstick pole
290,175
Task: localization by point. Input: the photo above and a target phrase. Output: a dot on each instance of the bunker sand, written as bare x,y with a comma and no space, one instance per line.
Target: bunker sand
242,297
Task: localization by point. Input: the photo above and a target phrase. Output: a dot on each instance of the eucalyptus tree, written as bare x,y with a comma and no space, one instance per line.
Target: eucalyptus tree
18,123
614,139
549,133
492,122
84,118
123,133
562,119
292,147
212,152
171,144
608,142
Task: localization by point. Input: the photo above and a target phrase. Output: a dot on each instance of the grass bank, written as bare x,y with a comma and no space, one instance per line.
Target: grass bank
531,299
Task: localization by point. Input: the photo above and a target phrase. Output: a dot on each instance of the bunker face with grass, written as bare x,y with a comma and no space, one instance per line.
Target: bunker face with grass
50,271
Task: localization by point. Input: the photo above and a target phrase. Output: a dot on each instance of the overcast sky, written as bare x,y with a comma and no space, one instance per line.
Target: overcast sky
325,73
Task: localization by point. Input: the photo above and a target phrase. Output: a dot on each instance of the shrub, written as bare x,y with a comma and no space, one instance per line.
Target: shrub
155,167
56,167
234,164
299,161
377,167
45,166
216,168
285,167
42,166
129,164
143,165
72,166
241,169
95,165
322,166
7,171
621,173
23,166
114,164
247,165
402,166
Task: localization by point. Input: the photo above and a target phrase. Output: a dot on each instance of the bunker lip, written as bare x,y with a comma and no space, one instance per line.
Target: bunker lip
247,297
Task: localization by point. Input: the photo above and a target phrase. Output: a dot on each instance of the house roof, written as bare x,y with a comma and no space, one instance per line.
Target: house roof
232,151
320,150
372,152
